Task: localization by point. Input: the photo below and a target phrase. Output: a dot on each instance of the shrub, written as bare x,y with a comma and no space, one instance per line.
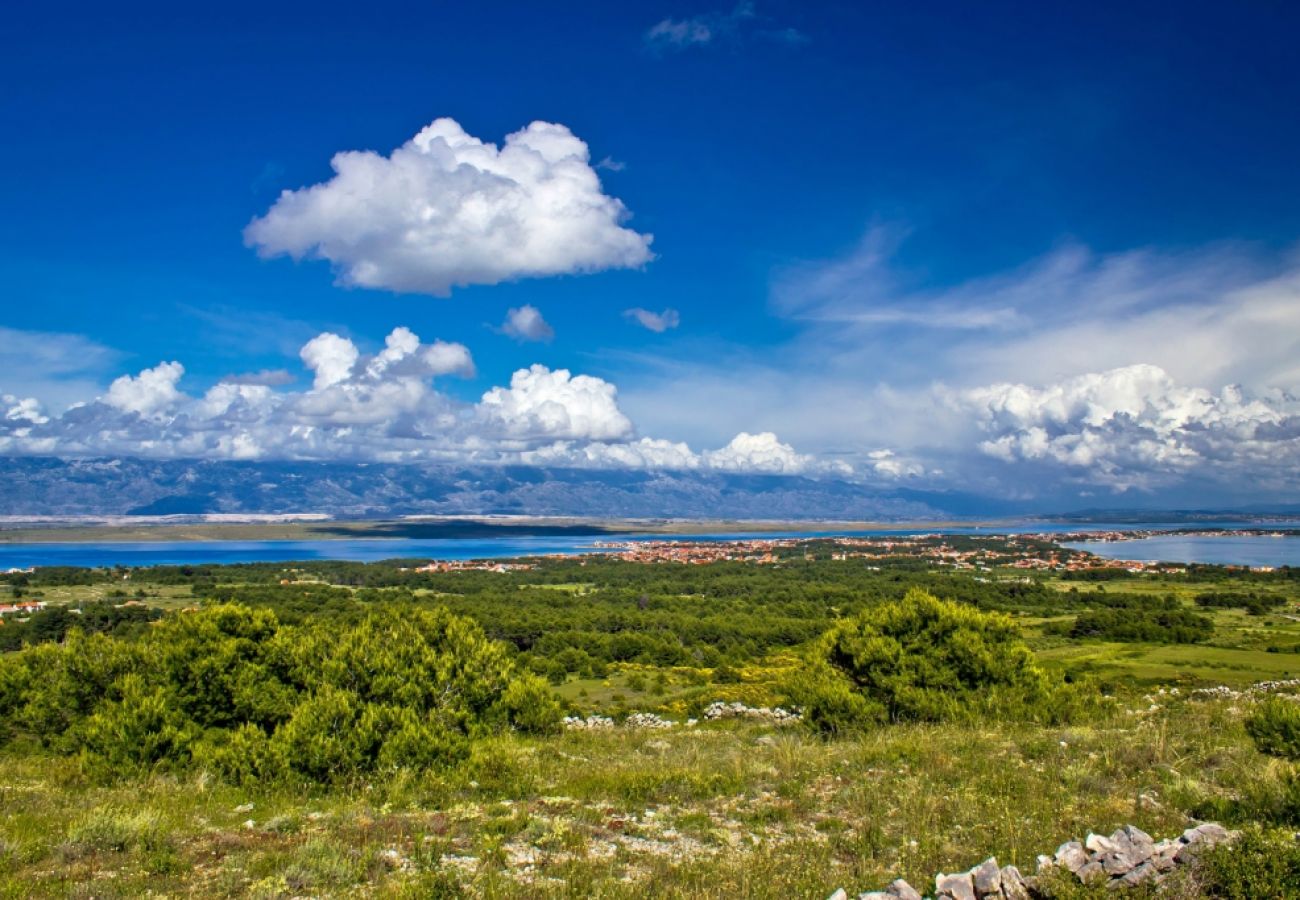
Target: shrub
831,703
234,690
725,674
241,756
1275,727
139,729
923,659
1255,865
530,706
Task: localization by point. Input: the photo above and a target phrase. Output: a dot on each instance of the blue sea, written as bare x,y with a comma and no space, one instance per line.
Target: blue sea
1234,549
1219,549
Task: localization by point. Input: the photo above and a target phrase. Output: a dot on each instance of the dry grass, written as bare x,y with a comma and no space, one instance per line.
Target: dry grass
713,811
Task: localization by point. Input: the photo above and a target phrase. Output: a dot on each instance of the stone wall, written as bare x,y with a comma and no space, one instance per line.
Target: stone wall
1127,858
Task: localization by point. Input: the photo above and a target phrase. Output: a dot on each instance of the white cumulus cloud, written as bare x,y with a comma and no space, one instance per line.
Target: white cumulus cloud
330,357
447,209
646,453
381,406
761,452
557,404
23,409
1133,426
151,392
526,323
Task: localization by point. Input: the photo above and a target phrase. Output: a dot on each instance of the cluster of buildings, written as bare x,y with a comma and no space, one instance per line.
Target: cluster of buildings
978,553
473,565
697,552
21,607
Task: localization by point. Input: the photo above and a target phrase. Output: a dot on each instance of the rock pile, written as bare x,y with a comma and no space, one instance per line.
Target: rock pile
714,712
647,720
1223,692
589,723
737,710
1127,858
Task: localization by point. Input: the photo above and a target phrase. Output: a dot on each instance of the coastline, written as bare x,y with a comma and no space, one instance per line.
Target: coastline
167,529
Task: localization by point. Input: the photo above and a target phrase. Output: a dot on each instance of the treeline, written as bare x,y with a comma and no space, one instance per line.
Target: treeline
1254,604
1157,626
665,615
53,623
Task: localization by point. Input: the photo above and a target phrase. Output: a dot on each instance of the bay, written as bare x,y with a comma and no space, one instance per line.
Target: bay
1218,549
1247,550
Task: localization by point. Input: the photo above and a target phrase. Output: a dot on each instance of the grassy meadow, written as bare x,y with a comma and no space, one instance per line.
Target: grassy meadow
715,810
711,809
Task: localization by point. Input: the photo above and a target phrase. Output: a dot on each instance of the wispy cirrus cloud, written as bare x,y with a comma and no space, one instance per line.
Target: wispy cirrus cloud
742,21
1140,370
60,368
658,322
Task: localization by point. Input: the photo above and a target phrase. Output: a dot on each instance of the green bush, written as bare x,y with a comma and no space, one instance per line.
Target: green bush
243,755
1254,866
923,659
830,702
140,728
1275,727
235,691
530,706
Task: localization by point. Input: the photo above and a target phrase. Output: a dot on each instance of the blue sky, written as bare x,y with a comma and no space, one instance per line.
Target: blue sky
999,247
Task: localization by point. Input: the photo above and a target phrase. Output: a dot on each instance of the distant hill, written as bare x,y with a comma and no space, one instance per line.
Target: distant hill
47,486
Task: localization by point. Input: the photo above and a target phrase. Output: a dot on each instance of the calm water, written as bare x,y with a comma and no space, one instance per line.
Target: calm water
153,553
1226,550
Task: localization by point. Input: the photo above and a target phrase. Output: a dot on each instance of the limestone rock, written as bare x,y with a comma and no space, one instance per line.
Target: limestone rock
903,891
1143,873
1071,855
1099,844
954,887
1165,851
1091,873
1128,858
1117,863
1209,833
1013,884
986,878
1140,845
840,894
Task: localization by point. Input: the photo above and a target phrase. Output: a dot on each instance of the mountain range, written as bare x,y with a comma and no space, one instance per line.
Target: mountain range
43,486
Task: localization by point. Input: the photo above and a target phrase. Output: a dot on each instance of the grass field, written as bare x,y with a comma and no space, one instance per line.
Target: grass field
711,811
718,809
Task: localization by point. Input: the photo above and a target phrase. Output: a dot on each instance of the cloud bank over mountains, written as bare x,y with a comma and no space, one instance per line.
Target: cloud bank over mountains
1124,429
1134,427
447,209
1120,374
381,407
